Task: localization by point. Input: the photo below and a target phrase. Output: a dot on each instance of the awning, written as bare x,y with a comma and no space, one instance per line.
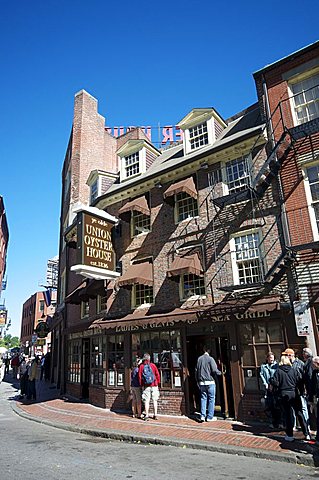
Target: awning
74,297
141,273
187,185
189,264
251,305
143,318
93,289
138,204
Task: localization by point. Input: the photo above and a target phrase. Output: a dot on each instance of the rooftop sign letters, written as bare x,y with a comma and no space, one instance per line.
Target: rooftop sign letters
162,136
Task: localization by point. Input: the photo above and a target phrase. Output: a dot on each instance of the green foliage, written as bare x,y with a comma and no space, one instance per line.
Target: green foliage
9,342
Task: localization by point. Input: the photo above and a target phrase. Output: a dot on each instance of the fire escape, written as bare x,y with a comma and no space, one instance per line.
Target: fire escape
281,143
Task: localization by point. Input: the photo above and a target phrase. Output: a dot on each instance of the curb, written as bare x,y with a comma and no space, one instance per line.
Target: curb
287,457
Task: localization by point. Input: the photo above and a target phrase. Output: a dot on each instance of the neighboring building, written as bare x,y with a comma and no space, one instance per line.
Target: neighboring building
201,250
35,312
4,240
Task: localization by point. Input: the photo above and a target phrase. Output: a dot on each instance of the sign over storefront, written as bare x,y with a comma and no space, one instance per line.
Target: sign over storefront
96,255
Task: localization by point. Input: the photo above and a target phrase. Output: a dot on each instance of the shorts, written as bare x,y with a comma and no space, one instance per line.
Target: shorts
150,393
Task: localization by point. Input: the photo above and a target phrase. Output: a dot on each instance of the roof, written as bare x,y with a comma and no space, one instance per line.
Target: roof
246,126
288,58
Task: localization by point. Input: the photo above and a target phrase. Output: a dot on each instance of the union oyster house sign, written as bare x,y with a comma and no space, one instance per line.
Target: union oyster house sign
95,252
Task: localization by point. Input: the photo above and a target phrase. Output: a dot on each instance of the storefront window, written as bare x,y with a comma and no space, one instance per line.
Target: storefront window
257,339
165,350
74,365
98,361
115,358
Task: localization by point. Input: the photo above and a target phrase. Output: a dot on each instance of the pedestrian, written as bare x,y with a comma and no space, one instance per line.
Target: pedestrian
300,400
42,364
136,391
15,365
6,365
32,377
206,373
23,376
285,380
149,379
267,371
314,391
2,366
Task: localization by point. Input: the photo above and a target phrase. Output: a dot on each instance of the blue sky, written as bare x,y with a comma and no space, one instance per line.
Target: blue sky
147,63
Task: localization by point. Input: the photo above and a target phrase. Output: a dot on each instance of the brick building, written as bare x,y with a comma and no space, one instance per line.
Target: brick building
35,312
4,240
202,254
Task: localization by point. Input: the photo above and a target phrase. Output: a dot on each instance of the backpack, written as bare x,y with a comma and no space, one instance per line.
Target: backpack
148,376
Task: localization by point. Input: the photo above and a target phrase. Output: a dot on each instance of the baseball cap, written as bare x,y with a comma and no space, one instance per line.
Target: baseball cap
288,351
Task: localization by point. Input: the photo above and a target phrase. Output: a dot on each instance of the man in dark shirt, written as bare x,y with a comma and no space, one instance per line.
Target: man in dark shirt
206,371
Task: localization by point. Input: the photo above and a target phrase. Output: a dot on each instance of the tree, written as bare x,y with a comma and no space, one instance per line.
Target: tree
9,342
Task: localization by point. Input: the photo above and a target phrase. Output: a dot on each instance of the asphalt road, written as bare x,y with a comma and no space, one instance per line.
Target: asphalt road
31,451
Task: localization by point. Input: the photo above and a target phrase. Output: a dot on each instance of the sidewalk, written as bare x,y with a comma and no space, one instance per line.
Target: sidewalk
221,436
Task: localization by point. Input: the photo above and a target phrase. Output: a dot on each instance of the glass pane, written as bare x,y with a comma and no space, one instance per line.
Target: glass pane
145,342
136,343
277,349
260,333
275,332
165,341
110,343
261,353
176,339
248,357
246,333
155,342
166,378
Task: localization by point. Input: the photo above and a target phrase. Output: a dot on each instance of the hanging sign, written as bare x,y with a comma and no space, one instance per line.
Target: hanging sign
302,319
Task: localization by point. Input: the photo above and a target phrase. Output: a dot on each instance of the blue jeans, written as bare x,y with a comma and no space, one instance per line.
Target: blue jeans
207,400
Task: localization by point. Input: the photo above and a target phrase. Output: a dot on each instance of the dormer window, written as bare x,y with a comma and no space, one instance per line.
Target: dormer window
136,156
202,126
94,191
132,164
198,136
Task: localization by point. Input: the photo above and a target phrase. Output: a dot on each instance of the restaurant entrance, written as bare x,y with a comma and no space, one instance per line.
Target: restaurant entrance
219,350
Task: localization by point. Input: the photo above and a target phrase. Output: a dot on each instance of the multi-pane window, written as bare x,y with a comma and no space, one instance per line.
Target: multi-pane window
142,294
94,191
98,360
132,164
85,308
248,258
313,179
115,360
101,303
257,339
41,306
192,285
306,99
74,361
237,174
198,136
165,350
141,223
186,206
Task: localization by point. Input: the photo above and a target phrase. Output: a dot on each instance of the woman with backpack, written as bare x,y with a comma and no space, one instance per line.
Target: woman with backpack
136,391
149,378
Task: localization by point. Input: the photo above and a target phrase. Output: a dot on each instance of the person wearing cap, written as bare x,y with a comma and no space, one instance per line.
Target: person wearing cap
314,391
285,380
150,390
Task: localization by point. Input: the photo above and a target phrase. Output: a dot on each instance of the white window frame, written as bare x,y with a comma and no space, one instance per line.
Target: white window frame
298,79
226,189
176,203
210,131
234,261
133,216
196,296
99,303
142,164
95,184
311,210
133,297
85,309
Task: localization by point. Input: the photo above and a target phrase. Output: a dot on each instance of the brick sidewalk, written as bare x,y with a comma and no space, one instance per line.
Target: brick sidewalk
223,435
